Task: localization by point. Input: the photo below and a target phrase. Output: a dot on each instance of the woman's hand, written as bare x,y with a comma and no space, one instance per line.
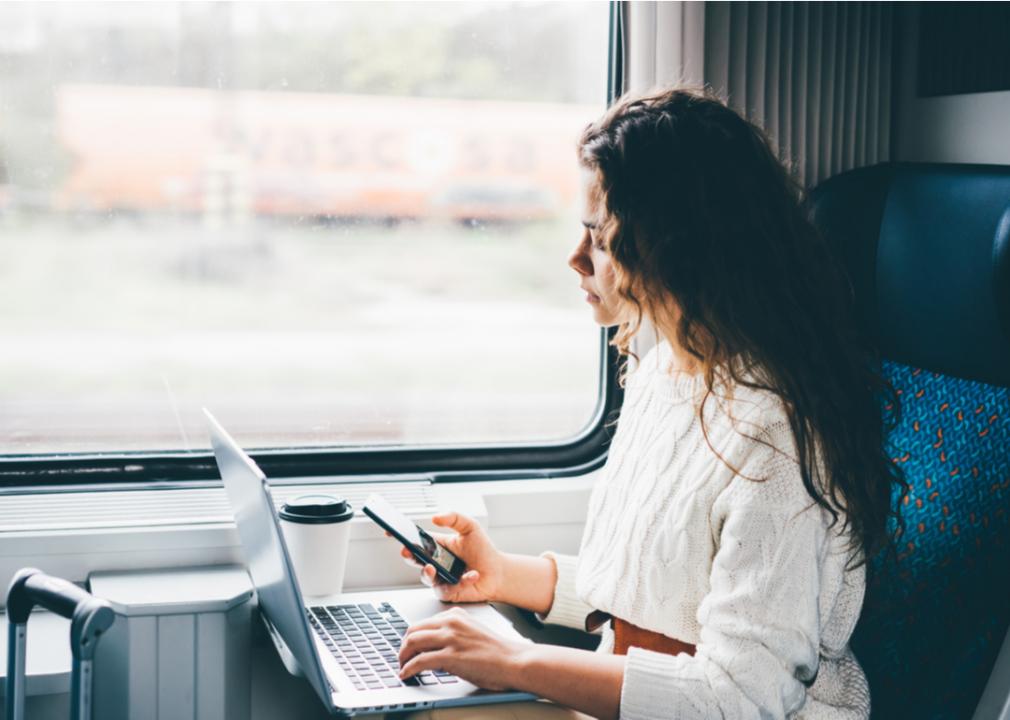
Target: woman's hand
485,564
456,642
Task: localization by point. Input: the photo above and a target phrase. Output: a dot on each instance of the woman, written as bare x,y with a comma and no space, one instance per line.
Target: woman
724,553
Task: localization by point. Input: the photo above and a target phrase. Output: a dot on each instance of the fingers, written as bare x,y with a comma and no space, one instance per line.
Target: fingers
459,592
446,591
446,539
425,661
428,645
460,523
469,577
422,640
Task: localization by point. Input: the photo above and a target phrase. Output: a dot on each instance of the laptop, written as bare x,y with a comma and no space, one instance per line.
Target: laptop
345,645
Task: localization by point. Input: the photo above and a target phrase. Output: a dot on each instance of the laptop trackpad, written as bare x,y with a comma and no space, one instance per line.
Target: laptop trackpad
419,603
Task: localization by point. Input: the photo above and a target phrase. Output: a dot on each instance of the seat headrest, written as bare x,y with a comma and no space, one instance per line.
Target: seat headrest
927,247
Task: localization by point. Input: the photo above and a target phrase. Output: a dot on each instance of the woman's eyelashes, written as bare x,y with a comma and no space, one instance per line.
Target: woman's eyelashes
595,237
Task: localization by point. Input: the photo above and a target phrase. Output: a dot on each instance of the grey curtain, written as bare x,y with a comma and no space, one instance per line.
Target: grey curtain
816,76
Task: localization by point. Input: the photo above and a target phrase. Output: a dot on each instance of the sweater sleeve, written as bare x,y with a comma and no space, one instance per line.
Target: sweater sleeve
758,648
567,609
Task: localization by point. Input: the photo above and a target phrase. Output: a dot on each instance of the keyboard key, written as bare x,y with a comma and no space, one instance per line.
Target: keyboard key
446,679
366,643
412,681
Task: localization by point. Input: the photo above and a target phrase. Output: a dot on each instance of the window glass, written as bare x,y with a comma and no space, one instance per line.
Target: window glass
329,223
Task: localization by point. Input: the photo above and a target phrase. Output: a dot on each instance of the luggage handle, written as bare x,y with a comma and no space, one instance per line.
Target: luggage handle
89,618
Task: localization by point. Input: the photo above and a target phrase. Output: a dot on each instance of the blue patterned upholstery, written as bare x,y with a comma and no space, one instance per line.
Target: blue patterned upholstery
927,249
932,625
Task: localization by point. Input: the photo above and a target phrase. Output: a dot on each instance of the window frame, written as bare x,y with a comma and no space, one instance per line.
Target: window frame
585,452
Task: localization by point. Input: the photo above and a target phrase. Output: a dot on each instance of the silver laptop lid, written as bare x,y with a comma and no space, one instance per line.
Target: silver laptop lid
266,554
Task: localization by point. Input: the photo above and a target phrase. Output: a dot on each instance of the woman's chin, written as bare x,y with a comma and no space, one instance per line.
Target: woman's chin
603,318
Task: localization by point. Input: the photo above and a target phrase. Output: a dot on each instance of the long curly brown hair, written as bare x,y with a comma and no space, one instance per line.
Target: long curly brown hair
699,210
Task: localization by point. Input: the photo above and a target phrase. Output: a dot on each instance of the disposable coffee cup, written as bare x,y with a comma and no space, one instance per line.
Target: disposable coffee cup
317,531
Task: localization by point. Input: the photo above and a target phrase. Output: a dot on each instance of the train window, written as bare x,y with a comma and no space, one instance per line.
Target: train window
331,224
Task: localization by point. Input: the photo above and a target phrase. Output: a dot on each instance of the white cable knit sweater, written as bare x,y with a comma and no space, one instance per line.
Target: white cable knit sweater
747,571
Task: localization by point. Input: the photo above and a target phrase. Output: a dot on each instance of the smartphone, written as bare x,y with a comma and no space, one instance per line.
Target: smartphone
421,545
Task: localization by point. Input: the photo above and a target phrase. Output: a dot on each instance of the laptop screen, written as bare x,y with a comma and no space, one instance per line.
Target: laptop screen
266,555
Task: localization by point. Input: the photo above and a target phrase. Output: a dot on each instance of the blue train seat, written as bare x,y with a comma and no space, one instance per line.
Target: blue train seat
927,248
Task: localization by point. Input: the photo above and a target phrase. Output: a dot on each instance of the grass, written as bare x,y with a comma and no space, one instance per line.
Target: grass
117,329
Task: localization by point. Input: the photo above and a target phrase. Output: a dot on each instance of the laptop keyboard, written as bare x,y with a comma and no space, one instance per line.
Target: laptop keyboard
365,640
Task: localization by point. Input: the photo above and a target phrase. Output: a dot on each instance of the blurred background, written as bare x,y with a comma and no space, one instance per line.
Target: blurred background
329,223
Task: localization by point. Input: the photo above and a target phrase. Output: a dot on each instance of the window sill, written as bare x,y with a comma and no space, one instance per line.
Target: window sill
520,515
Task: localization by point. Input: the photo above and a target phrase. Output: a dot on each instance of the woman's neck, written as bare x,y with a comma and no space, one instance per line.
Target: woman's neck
665,320
681,361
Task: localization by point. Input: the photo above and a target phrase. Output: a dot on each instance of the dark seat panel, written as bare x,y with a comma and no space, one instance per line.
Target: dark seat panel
927,248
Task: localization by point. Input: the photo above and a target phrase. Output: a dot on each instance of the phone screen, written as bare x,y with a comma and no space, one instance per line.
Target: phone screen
442,557
380,510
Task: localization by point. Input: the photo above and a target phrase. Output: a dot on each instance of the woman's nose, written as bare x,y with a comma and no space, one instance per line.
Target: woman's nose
579,260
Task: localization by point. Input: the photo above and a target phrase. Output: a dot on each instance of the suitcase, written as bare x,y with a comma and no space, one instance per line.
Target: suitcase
89,616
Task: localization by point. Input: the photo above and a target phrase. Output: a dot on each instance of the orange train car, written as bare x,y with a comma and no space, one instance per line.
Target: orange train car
279,153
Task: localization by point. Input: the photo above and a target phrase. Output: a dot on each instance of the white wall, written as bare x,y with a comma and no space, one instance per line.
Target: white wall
972,128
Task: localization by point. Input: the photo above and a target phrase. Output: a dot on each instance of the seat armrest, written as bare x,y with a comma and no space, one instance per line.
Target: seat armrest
995,701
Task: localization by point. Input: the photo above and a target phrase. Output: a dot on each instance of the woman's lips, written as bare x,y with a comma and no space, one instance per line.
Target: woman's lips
590,298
